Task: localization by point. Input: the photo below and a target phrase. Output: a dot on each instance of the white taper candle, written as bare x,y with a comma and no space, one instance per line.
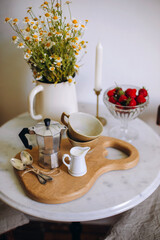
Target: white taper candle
98,67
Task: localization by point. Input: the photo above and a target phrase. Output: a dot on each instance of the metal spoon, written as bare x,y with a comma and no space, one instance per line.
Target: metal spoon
19,165
28,160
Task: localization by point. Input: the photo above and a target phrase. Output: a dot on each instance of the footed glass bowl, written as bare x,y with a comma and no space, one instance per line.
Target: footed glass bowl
124,114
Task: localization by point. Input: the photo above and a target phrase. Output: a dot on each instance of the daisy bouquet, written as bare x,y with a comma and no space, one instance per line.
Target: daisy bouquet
52,45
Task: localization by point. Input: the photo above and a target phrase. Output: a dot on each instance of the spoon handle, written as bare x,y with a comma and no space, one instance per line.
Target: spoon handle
46,177
40,178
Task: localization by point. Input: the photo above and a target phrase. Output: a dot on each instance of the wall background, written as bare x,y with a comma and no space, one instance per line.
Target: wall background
129,31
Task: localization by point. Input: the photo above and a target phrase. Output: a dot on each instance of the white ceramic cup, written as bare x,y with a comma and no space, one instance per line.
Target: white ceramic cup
77,166
82,126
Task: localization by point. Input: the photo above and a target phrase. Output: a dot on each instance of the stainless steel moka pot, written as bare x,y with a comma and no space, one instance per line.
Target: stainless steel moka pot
48,135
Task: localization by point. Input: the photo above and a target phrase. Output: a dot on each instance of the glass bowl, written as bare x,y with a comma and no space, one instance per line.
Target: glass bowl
124,114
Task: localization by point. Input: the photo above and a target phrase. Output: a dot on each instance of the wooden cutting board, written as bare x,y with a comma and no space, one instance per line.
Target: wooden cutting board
64,187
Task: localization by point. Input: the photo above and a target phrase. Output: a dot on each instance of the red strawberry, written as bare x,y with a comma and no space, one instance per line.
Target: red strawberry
111,92
132,103
140,99
131,92
112,100
122,98
119,105
143,92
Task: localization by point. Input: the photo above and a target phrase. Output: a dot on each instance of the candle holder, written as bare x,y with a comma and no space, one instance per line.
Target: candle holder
102,120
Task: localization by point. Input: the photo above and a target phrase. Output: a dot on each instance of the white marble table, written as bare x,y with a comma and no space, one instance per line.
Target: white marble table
113,193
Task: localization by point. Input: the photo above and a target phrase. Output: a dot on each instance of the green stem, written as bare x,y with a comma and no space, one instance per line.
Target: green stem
69,11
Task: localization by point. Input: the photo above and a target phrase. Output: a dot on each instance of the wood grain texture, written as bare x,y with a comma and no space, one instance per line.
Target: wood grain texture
65,187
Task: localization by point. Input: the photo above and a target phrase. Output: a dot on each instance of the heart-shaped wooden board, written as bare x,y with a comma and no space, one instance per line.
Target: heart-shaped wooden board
64,187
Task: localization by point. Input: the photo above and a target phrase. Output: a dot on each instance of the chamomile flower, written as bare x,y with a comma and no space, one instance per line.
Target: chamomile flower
67,35
69,78
74,21
29,51
57,5
7,19
77,26
36,37
43,6
82,42
52,56
68,2
20,45
15,21
83,26
58,64
38,77
33,23
26,20
27,38
27,29
27,56
49,44
58,60
76,67
47,14
55,18
15,39
74,46
52,68
58,34
34,27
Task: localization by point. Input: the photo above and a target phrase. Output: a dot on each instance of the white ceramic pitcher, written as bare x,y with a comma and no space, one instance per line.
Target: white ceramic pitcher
77,166
51,100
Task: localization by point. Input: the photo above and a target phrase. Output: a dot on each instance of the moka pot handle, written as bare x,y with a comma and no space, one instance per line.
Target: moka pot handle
24,139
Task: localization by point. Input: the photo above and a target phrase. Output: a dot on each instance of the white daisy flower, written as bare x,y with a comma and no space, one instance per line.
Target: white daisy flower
76,67
7,19
38,77
20,45
27,38
27,56
55,18
52,68
58,34
15,39
58,60
47,14
67,35
36,37
77,26
15,21
83,26
34,27
52,56
70,79
49,44
58,64
43,6
26,20
75,21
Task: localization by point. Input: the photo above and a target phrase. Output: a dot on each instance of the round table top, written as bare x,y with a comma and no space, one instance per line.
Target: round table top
112,193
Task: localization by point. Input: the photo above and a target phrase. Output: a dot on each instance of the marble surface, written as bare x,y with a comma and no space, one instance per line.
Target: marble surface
113,193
